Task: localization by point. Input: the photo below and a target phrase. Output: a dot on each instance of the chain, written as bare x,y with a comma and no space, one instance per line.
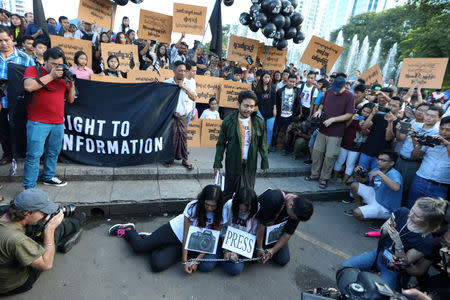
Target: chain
193,261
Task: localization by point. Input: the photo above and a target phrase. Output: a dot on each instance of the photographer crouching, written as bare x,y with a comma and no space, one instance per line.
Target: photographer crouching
31,230
50,85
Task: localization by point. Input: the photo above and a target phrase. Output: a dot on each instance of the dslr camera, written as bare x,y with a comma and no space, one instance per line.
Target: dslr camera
202,241
384,109
66,73
68,211
363,173
426,140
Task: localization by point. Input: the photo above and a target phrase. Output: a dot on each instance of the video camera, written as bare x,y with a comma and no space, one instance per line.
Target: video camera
426,140
202,241
354,284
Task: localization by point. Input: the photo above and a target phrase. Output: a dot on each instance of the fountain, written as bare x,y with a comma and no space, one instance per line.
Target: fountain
388,66
351,56
399,69
375,53
340,42
363,55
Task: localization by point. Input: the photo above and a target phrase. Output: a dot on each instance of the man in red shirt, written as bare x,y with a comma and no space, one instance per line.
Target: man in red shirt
45,126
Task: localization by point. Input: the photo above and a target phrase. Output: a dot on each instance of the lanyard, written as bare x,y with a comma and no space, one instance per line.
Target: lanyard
281,209
399,233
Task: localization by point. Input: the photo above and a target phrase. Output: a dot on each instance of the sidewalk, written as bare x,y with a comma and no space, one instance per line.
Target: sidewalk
155,189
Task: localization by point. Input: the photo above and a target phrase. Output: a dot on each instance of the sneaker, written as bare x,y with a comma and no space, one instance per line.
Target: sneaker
120,229
347,201
70,242
308,162
144,235
55,181
349,212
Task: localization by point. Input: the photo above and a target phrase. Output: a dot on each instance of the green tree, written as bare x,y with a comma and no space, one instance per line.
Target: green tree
225,34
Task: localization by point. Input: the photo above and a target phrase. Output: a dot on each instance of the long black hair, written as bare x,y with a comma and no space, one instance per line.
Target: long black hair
245,196
209,193
260,86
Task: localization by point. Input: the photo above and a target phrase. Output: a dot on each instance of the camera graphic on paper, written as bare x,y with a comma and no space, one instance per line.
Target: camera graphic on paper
202,240
274,233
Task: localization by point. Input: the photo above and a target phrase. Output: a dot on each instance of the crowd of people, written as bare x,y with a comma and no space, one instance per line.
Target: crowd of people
389,146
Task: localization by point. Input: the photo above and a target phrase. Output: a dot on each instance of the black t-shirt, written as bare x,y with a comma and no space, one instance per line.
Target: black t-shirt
410,240
271,202
376,141
266,102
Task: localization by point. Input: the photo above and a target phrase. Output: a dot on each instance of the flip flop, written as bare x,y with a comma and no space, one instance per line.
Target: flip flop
188,165
168,164
323,184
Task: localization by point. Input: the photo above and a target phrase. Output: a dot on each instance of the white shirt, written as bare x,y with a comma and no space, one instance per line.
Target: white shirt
184,103
244,224
287,103
192,86
177,223
246,124
306,96
211,115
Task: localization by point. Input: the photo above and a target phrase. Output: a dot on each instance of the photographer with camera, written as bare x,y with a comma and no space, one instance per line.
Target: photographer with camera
50,85
31,230
380,190
277,208
405,238
433,177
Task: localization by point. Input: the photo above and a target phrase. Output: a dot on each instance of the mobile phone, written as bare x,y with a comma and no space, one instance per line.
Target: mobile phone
361,118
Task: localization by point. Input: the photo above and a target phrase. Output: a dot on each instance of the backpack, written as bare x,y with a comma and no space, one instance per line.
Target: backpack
310,96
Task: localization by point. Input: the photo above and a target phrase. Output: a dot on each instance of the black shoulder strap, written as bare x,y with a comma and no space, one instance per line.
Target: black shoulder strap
39,73
312,91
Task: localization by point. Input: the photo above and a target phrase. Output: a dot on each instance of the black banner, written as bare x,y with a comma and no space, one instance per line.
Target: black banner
124,124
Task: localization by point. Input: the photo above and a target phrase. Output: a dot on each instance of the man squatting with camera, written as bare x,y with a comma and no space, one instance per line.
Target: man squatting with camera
50,85
32,228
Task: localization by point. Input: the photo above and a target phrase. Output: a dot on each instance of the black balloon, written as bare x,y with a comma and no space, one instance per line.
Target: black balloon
269,30
265,6
281,45
121,2
279,35
275,6
300,37
256,1
228,2
253,27
291,33
254,10
287,23
260,20
296,19
278,20
275,42
294,3
287,8
245,18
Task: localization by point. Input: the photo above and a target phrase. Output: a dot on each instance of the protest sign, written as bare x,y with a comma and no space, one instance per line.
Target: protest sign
165,74
373,75
240,242
189,19
210,133
239,48
208,87
230,91
155,26
97,11
202,240
103,78
427,72
194,133
320,52
128,55
70,46
143,76
274,232
275,59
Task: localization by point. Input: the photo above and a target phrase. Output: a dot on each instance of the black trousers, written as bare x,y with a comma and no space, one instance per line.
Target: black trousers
163,245
4,133
234,182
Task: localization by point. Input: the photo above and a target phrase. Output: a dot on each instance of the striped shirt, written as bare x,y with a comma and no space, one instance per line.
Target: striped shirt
17,57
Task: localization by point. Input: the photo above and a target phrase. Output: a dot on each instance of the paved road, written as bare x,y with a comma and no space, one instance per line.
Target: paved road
104,267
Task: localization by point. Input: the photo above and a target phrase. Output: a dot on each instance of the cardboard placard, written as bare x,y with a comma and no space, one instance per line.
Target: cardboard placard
194,133
210,133
240,242
155,26
320,52
274,232
230,91
240,47
124,52
208,87
275,59
70,46
190,19
97,11
166,74
373,75
143,76
202,240
428,72
103,78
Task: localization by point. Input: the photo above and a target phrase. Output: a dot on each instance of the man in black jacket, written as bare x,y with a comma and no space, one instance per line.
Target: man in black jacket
288,107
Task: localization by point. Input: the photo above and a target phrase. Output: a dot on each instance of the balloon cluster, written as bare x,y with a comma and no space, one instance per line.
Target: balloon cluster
276,19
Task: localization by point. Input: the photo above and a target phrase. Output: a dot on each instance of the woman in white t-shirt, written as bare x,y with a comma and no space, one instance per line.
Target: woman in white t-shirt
166,245
240,213
211,113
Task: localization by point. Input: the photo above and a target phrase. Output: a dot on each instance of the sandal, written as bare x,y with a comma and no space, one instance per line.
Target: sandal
323,184
309,178
188,165
168,164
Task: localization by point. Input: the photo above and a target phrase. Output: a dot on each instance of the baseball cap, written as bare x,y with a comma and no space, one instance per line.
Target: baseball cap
35,199
338,84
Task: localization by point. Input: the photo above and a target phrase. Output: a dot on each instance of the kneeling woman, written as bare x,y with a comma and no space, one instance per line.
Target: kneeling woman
166,244
240,213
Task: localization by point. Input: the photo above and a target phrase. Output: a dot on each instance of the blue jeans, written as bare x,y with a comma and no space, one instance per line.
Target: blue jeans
365,261
269,128
282,257
312,140
40,135
232,268
422,188
367,162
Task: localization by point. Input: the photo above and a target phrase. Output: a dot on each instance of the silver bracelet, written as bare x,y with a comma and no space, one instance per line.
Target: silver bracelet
48,245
